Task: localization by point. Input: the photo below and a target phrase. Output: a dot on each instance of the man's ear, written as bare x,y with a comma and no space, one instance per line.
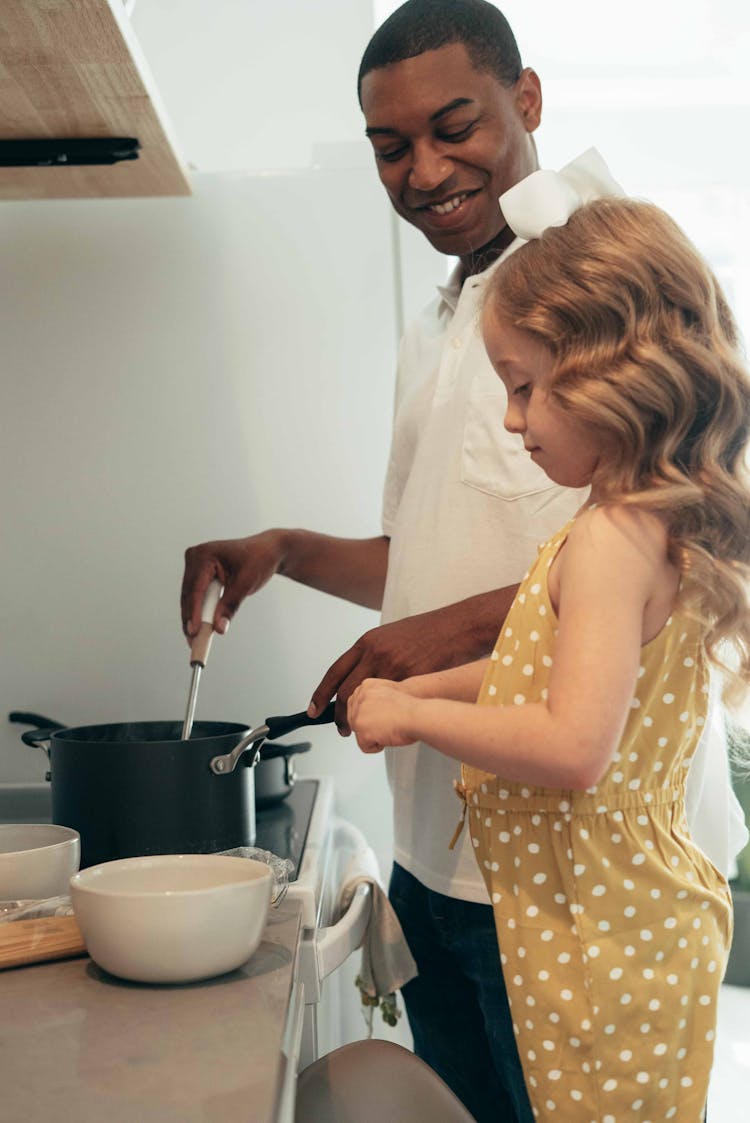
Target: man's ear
528,92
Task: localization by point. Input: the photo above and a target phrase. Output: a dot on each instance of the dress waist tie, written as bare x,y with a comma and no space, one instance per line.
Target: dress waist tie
463,794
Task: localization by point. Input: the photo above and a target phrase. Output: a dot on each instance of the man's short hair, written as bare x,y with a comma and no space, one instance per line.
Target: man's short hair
427,25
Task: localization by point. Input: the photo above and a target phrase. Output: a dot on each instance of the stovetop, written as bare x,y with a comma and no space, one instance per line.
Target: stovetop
283,828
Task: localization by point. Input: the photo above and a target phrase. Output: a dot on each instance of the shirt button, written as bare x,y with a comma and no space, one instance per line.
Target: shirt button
457,342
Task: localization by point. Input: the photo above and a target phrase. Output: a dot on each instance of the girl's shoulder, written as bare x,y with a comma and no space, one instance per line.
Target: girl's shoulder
624,544
618,558
621,527
615,550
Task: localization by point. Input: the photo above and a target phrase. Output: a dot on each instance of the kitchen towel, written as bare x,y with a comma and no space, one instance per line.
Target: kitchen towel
387,963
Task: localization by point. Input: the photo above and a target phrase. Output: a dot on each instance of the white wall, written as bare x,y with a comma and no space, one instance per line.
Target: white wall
177,370
256,83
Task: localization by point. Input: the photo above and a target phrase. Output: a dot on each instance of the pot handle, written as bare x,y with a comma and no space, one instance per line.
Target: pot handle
37,738
275,750
273,727
22,718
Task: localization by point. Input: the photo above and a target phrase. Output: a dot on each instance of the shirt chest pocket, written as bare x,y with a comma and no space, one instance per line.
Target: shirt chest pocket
493,460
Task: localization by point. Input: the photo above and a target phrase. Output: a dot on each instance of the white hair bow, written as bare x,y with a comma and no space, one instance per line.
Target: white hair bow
547,198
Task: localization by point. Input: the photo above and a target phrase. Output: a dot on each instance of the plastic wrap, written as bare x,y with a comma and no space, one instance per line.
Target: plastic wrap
33,910
281,868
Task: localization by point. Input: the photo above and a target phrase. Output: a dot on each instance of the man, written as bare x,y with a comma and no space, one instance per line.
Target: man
451,113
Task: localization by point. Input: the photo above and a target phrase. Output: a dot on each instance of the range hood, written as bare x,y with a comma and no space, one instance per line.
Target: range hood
73,70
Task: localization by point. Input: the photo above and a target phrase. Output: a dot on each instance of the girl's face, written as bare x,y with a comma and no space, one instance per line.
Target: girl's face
566,450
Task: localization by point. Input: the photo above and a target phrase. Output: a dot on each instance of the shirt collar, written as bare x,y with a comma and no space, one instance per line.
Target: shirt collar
450,292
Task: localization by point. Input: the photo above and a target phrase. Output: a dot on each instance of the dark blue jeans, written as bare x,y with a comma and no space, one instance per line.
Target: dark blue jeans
457,1006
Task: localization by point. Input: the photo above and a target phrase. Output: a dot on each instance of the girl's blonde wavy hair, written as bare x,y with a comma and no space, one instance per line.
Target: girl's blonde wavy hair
646,353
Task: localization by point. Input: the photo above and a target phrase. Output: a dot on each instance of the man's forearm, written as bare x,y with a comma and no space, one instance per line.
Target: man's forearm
351,568
416,645
474,624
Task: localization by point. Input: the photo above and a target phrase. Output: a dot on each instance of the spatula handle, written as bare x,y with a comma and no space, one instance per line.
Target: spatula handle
201,644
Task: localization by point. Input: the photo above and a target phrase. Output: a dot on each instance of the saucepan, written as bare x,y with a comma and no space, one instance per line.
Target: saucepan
137,788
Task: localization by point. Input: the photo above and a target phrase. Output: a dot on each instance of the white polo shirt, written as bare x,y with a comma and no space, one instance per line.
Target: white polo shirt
465,509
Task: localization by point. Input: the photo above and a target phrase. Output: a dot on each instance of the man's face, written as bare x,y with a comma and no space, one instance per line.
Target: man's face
448,141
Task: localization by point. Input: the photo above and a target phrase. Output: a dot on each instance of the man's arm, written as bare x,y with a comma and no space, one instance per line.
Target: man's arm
351,568
418,645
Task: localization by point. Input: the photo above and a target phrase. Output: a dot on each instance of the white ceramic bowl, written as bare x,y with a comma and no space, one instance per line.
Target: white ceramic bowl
37,860
172,918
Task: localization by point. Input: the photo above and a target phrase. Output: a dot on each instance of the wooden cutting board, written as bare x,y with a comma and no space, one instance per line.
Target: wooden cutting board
34,941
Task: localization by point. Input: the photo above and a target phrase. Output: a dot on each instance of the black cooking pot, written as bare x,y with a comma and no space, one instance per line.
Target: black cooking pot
138,788
275,773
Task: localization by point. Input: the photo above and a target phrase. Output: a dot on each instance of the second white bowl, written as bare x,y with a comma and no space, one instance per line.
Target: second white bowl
172,918
36,860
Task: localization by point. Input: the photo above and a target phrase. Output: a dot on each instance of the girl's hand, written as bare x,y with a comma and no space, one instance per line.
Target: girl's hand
381,713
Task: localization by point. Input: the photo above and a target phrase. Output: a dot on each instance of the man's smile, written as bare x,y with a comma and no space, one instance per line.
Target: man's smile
447,204
448,211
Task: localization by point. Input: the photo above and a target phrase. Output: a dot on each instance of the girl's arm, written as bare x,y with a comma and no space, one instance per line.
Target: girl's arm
615,587
460,684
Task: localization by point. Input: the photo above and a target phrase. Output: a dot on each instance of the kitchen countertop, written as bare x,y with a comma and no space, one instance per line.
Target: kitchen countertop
77,1043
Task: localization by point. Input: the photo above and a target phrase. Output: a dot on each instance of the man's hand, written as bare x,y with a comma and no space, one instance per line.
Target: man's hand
242,565
351,568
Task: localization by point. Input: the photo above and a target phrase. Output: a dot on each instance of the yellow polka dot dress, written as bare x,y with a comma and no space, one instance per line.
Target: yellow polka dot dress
613,928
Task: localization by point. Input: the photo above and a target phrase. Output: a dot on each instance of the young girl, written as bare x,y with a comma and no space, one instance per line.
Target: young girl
620,362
